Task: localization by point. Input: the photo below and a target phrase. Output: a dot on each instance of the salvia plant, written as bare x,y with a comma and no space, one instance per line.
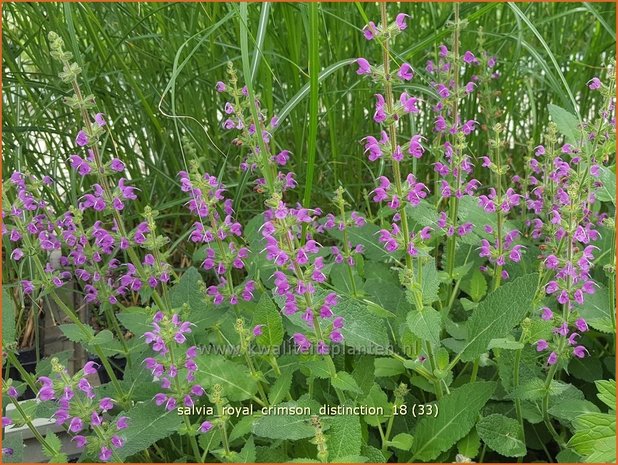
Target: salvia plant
455,315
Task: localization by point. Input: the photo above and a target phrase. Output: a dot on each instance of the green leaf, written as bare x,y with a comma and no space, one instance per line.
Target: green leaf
567,123
362,330
476,286
505,343
8,317
469,446
280,387
148,424
569,409
373,454
402,441
457,413
377,398
247,454
266,314
597,311
588,369
501,434
346,382
388,367
607,192
136,320
595,437
500,312
367,236
292,427
189,291
236,380
74,334
431,282
345,436
425,324
14,441
607,392
55,443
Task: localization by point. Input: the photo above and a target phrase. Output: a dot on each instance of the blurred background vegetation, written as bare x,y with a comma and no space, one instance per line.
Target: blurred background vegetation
145,62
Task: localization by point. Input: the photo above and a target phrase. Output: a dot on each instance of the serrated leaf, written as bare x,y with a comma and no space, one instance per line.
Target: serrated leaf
148,424
234,378
388,367
567,123
457,413
345,436
280,387
344,381
267,315
498,313
318,368
241,428
425,324
402,441
607,392
55,443
595,437
501,434
74,334
291,427
8,317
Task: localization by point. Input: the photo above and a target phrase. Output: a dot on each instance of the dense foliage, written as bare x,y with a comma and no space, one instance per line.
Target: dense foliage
312,232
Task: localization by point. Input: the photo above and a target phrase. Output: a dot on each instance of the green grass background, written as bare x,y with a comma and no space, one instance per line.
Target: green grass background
146,62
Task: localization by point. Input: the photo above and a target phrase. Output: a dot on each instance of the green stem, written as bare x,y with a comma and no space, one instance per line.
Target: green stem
33,429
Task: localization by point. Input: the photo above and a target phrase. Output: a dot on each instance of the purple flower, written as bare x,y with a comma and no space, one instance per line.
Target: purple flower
581,325
12,392
117,441
405,72
257,330
100,120
80,441
400,21
122,422
579,351
82,139
205,427
546,314
370,30
220,86
552,359
105,454
117,165
90,368
541,345
363,66
594,83
469,58
76,425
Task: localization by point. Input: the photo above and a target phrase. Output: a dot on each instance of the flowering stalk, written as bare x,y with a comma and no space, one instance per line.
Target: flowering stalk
403,193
